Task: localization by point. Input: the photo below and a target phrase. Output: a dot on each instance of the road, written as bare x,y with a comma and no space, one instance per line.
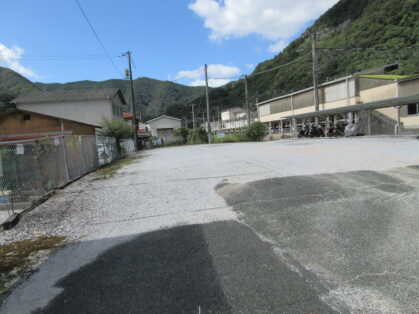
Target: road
292,226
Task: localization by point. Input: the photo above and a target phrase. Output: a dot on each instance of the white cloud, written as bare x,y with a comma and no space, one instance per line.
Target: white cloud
10,58
250,66
272,19
218,75
211,82
278,46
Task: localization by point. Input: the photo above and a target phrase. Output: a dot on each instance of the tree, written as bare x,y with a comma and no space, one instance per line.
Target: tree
199,135
117,129
183,133
256,131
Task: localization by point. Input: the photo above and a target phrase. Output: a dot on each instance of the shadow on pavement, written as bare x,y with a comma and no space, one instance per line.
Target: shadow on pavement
221,267
167,271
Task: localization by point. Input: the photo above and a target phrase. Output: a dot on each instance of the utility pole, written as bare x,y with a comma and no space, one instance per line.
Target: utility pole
315,71
218,118
193,116
208,105
246,98
134,117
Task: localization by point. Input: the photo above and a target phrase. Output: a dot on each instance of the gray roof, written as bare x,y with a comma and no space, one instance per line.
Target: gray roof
235,109
69,95
164,116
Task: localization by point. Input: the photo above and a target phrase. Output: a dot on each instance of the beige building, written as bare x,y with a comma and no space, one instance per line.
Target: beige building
85,106
163,127
386,104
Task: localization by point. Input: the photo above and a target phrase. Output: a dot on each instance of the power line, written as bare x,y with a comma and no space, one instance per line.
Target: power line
368,48
279,66
98,39
225,78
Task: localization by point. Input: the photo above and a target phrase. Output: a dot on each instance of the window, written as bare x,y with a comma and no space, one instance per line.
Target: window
412,109
26,117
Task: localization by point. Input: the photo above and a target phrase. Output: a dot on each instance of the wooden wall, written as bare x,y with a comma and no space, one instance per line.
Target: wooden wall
15,124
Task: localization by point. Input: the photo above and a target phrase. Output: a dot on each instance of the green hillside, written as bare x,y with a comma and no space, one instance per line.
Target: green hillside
350,23
13,84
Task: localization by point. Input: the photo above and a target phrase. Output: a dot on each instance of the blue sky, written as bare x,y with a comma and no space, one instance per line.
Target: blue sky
170,39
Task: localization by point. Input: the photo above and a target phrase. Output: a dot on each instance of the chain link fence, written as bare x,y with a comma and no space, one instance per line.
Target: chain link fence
32,168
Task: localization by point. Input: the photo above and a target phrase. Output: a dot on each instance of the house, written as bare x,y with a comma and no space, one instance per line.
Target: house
22,125
163,127
89,106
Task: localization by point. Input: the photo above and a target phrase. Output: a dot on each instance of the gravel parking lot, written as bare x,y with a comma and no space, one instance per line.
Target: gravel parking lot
328,225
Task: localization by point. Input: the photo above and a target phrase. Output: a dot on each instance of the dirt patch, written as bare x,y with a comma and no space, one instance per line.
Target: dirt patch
18,258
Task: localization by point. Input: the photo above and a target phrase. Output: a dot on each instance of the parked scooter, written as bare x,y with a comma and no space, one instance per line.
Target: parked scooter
304,132
316,131
336,131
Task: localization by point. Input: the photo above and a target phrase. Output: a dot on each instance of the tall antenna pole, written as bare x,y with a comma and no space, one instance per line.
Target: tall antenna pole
315,71
246,97
208,105
134,116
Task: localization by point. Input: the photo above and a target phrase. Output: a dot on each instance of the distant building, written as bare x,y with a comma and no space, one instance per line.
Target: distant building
23,125
163,127
233,114
84,106
233,120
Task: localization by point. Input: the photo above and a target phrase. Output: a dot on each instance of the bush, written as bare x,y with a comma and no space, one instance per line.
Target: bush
183,133
198,136
117,129
256,131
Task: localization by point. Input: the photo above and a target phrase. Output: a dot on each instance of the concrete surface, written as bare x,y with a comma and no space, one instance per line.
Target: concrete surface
329,226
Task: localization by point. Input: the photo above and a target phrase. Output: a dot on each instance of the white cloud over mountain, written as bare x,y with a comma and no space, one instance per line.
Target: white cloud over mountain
275,20
10,58
218,75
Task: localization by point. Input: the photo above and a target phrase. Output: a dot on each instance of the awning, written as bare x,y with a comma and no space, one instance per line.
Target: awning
384,103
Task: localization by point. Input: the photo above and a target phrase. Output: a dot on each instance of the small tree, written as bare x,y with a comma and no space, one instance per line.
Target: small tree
117,129
256,131
183,133
199,135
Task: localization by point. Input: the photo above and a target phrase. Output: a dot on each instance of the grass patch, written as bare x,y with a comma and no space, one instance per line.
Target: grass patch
111,170
231,138
15,256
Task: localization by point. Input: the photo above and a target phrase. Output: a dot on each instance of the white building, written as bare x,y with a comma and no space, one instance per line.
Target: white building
85,106
233,114
163,127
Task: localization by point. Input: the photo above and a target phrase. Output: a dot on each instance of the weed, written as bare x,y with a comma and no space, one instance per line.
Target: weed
111,170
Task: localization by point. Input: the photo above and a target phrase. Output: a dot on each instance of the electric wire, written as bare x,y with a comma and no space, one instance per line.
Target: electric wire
98,39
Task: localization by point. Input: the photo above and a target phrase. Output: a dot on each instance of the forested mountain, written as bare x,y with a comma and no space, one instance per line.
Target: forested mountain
348,24
13,84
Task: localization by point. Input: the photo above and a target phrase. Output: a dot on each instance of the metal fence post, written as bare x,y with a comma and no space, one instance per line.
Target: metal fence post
81,139
65,159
